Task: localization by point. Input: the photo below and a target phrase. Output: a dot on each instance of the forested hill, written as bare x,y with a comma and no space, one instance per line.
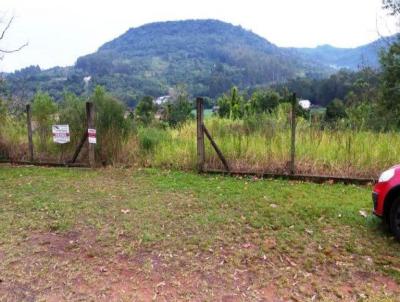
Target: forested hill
208,56
350,58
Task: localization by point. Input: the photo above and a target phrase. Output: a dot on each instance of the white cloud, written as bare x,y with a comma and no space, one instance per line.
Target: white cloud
59,32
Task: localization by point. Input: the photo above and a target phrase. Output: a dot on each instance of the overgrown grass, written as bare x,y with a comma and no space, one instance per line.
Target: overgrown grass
13,139
266,147
258,143
135,235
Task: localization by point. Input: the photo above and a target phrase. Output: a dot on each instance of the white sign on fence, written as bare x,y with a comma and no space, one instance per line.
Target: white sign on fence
92,136
61,134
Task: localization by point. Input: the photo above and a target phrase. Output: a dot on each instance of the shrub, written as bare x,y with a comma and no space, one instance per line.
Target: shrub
178,111
264,101
72,112
13,138
335,111
144,112
111,125
43,112
149,138
232,105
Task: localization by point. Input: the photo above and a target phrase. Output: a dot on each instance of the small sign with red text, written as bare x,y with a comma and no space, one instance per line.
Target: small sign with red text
60,134
92,136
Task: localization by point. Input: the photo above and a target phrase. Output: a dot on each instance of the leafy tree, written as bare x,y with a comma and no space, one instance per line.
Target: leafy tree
224,106
351,98
145,110
177,112
263,101
390,85
335,111
179,109
208,103
363,83
389,103
43,111
393,6
72,112
237,104
232,105
365,116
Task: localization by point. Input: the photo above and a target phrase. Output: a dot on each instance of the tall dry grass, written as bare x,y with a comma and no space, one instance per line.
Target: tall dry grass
13,143
266,147
260,143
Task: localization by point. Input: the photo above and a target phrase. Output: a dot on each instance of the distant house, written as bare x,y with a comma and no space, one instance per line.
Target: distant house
162,99
305,104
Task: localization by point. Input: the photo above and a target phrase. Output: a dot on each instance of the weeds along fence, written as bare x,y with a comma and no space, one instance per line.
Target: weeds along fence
284,147
275,143
61,142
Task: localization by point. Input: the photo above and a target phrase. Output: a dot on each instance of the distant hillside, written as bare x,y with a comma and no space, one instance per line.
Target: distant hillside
208,56
351,58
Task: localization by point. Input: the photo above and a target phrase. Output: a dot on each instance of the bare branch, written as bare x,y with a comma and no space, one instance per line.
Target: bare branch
3,33
14,50
6,28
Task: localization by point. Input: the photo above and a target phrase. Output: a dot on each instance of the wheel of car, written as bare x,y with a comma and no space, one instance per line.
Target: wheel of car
395,218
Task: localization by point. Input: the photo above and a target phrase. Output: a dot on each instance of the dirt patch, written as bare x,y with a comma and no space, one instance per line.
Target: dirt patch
16,291
269,294
76,266
230,273
387,283
53,243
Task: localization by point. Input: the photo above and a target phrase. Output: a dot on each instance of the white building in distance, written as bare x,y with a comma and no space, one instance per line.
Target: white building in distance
162,99
305,104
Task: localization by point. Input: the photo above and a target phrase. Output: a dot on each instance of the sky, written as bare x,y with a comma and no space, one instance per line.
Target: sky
59,31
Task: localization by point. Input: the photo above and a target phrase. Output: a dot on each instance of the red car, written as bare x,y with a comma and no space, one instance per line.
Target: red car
386,198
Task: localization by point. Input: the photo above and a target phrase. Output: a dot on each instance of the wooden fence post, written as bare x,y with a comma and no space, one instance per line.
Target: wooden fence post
200,134
293,135
29,125
90,125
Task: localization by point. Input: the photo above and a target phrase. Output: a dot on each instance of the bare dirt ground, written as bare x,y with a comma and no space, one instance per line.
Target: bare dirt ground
72,267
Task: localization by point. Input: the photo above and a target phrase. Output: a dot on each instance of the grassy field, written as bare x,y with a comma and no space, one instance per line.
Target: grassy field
151,235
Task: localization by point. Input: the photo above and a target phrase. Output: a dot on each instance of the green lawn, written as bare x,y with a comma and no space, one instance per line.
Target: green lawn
142,235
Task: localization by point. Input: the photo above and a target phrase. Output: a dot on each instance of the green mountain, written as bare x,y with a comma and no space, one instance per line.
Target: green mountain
350,58
207,56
